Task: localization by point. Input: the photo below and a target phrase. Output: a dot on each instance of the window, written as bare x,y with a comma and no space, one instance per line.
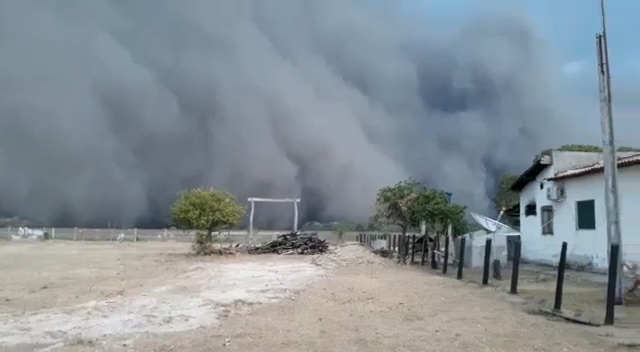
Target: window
586,214
546,219
530,209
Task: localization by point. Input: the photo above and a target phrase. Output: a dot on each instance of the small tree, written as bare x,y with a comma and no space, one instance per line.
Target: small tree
505,197
394,204
434,207
205,211
409,202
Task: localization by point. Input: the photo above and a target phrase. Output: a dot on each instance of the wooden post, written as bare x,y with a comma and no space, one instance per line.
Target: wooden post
445,264
515,267
463,243
557,306
487,261
609,317
251,213
425,240
413,248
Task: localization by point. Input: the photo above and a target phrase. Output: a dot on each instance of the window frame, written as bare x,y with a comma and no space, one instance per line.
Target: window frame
530,209
546,228
577,209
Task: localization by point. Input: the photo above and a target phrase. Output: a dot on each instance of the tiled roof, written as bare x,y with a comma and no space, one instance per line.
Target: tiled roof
594,168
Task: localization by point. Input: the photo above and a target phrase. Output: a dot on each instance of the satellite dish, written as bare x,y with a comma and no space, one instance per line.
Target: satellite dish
492,226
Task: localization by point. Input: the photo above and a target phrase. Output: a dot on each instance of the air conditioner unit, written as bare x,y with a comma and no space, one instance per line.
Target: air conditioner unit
555,193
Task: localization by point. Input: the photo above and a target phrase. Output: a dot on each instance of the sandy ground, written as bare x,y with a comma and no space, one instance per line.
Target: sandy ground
150,297
584,294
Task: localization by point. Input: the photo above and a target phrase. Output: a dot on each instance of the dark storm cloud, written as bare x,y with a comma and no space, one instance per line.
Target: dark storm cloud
108,108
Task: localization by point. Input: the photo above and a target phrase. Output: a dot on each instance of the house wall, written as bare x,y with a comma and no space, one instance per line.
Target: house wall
535,246
585,248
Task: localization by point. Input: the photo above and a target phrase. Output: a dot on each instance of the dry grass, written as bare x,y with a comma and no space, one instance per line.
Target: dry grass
53,274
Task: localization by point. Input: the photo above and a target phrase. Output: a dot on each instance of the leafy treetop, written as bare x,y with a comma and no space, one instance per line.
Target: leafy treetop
505,197
409,202
206,210
589,148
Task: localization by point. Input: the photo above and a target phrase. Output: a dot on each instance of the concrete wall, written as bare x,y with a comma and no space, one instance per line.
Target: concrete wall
586,248
535,246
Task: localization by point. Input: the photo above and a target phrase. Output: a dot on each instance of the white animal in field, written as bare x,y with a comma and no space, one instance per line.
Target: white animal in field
121,237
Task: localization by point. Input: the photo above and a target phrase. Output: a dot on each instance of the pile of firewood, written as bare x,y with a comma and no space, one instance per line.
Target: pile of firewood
292,243
384,253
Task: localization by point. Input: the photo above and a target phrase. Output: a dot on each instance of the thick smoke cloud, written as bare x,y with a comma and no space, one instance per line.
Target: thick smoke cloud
108,108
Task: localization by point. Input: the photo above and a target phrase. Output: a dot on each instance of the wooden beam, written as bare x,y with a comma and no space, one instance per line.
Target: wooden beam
275,200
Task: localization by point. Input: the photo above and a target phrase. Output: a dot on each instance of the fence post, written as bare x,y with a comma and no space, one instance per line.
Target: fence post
515,267
413,248
393,243
560,283
463,242
135,235
487,262
53,233
445,265
407,238
434,262
404,247
609,316
75,233
388,242
425,240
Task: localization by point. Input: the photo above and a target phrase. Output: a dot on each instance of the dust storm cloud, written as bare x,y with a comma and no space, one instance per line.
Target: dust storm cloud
108,108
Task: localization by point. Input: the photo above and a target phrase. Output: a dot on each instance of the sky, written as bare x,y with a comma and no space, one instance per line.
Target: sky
569,28
569,25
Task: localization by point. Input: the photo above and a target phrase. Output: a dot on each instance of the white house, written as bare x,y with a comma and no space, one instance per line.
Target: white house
562,199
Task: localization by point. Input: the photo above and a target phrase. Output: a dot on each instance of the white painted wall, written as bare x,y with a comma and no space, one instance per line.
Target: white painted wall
535,246
584,247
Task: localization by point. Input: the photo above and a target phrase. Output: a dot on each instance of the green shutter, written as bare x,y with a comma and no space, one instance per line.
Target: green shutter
586,214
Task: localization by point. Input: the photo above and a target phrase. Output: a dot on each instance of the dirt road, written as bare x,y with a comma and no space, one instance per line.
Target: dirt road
151,298
385,308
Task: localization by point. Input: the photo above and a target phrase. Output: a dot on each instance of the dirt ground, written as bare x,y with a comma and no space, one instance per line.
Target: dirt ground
151,297
40,275
584,294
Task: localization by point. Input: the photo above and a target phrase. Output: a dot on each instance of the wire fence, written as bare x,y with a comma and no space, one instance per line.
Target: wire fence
128,235
97,234
579,296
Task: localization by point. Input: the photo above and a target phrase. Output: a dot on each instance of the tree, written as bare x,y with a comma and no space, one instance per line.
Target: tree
394,204
580,148
505,197
409,202
206,211
589,148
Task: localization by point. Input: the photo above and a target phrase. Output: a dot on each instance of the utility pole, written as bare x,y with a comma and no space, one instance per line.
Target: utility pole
609,150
